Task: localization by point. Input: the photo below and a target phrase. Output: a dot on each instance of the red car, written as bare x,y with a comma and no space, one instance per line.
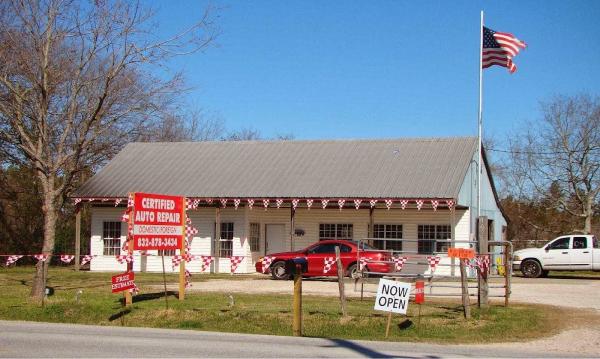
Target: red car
377,260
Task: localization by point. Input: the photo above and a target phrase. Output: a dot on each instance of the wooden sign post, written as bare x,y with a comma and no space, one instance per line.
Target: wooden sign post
463,254
419,297
392,297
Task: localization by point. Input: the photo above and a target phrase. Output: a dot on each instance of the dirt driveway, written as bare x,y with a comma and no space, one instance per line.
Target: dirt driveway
573,293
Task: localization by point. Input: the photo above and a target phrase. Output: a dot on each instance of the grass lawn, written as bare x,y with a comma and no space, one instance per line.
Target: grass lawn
263,314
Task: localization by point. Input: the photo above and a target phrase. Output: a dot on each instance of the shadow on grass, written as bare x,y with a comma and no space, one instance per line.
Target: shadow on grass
118,315
150,296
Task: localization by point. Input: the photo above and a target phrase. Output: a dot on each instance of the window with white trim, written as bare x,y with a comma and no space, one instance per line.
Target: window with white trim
226,241
335,231
111,237
390,234
254,237
167,252
428,234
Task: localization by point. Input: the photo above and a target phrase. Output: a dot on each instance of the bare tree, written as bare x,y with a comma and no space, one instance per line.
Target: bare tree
556,161
243,134
76,84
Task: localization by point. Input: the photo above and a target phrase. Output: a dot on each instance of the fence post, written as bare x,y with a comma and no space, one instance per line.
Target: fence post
482,280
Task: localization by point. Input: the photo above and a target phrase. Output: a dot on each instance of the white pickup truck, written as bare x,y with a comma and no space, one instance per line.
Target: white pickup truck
570,252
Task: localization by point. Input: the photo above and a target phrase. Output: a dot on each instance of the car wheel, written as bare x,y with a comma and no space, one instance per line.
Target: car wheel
278,271
354,273
531,268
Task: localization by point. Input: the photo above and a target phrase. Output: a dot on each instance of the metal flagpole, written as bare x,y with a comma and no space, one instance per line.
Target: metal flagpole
480,119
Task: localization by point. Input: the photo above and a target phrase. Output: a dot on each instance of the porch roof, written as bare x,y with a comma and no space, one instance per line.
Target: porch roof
393,168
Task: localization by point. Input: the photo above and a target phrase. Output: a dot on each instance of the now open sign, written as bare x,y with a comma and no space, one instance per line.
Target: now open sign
392,296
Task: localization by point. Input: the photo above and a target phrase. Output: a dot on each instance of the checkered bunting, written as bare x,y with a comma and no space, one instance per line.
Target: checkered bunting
433,262
125,217
235,262
324,203
135,290
189,203
13,259
66,258
266,263
357,203
434,204
483,263
295,203
265,203
118,201
450,203
209,200
309,203
341,203
399,262
236,203
250,203
176,261
278,203
122,258
223,202
329,262
91,199
104,199
130,202
86,259
373,202
188,279
419,204
41,257
362,264
403,203
196,204
190,230
76,200
388,203
469,263
206,261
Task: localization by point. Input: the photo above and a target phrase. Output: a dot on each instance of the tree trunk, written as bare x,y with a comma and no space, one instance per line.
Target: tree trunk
589,215
49,210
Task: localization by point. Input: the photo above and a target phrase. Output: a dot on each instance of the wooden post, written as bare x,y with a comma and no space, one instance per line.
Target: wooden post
482,241
297,319
77,238
507,274
371,224
182,252
292,226
465,290
165,282
453,238
217,241
389,323
128,296
340,273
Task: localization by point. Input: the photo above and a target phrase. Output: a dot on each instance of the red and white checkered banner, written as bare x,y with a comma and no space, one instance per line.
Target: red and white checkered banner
175,261
434,204
388,204
450,203
190,230
329,262
125,217
188,279
266,263
135,290
403,203
86,259
223,202
189,204
278,203
433,262
206,261
341,203
309,203
357,203
13,259
362,264
482,262
324,203
76,200
372,203
419,204
122,258
118,202
66,258
235,262
250,203
41,257
130,202
265,203
399,262
236,203
295,203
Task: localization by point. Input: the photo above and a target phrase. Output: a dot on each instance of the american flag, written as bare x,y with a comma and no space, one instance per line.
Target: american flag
499,48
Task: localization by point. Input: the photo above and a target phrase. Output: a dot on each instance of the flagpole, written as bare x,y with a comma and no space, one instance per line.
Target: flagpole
480,119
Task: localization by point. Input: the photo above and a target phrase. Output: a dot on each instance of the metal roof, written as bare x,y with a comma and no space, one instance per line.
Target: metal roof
394,168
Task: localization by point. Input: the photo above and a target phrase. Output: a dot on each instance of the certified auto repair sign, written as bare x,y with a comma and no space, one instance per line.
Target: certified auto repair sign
157,221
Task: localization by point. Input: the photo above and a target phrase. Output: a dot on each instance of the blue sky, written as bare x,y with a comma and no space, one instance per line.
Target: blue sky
384,69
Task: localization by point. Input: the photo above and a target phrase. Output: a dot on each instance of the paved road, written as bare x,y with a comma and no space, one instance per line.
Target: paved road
28,339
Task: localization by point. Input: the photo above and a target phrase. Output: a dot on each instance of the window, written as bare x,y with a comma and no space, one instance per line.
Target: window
579,242
428,234
167,252
111,235
254,237
392,233
335,231
226,241
561,243
329,248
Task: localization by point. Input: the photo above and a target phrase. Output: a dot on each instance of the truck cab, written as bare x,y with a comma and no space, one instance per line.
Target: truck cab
570,252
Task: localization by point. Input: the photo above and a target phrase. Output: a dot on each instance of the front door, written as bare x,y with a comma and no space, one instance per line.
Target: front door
275,238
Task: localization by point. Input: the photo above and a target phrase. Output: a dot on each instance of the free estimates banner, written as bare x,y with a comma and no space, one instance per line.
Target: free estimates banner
158,221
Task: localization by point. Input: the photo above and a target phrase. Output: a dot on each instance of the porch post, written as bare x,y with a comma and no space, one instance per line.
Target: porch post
371,224
453,238
217,242
77,238
292,226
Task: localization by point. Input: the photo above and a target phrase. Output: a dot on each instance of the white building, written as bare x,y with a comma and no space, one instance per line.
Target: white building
428,184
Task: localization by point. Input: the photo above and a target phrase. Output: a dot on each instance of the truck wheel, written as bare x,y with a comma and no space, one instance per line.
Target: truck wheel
531,268
278,271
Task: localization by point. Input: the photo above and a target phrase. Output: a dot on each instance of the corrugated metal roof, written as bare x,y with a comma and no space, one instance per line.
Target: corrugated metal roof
395,168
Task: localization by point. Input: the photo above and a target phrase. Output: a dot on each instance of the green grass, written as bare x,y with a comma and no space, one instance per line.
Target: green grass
259,314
